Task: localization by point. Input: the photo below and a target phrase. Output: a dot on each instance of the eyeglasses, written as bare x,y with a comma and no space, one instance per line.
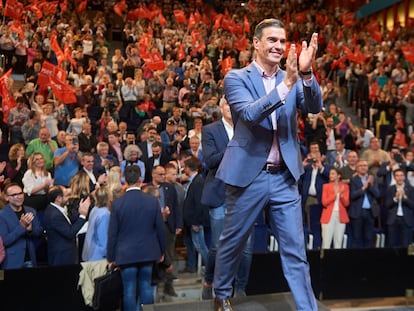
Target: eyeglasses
38,159
15,194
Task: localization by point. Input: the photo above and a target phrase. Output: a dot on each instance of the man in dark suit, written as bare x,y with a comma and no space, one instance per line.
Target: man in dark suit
136,239
61,232
19,227
97,176
262,163
215,138
173,222
399,202
195,214
364,208
145,146
159,157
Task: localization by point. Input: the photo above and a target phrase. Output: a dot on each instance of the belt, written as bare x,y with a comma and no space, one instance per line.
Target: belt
273,168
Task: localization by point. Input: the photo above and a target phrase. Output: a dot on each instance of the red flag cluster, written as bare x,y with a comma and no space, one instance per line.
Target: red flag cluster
8,101
408,52
13,9
55,77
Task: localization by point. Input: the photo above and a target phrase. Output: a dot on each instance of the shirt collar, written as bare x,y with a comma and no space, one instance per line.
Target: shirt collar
262,71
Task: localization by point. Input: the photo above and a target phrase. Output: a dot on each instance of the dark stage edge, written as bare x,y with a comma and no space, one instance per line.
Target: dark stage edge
270,302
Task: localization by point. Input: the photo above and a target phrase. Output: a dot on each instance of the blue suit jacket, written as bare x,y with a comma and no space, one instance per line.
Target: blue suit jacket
61,237
194,212
214,141
15,236
136,229
248,150
407,205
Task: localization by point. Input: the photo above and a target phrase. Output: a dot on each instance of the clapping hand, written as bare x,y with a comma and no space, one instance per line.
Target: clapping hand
308,53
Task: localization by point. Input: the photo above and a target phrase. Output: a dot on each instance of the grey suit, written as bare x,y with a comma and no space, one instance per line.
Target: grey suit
249,188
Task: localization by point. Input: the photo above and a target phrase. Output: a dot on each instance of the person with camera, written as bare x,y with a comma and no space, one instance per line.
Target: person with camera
67,160
385,172
315,176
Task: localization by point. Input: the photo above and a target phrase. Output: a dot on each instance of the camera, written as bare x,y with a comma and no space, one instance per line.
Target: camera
75,140
311,161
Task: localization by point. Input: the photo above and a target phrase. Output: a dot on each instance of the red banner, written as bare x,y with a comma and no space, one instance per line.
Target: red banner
180,16
120,7
154,61
48,70
408,52
226,65
8,102
13,9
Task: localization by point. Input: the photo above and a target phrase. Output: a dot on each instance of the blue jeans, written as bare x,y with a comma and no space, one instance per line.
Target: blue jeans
216,224
200,243
191,252
132,277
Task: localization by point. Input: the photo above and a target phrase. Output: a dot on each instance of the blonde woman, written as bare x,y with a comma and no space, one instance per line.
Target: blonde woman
79,189
114,182
97,234
36,182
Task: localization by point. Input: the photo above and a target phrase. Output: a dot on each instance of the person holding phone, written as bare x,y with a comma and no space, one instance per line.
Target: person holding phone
67,160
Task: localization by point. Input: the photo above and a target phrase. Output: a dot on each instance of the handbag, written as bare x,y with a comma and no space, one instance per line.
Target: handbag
108,290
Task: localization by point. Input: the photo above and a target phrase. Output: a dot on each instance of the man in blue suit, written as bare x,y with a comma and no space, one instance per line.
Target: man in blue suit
136,240
62,248
19,226
262,162
215,138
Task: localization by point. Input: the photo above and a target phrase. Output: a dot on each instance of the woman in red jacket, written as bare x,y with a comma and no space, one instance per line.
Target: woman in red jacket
335,200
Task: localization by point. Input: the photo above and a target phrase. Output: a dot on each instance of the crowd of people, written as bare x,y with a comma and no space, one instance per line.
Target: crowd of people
65,165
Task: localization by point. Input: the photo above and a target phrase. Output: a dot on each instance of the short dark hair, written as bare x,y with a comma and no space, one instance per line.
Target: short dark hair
269,22
193,163
156,144
132,174
54,192
13,184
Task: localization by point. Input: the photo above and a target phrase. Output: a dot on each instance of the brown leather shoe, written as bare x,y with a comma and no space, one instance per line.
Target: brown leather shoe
222,305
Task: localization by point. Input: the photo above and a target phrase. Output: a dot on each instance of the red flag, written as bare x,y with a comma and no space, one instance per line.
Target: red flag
180,16
348,19
241,43
331,48
226,65
63,91
13,9
359,57
54,44
408,52
64,6
226,22
48,70
372,26
191,21
197,16
376,35
339,63
246,25
195,35
8,101
300,17
120,7
217,22
16,27
321,19
68,55
199,48
162,19
48,7
181,53
154,61
82,6
35,9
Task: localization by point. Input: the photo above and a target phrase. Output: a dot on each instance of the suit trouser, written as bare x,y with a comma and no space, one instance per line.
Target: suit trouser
280,192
